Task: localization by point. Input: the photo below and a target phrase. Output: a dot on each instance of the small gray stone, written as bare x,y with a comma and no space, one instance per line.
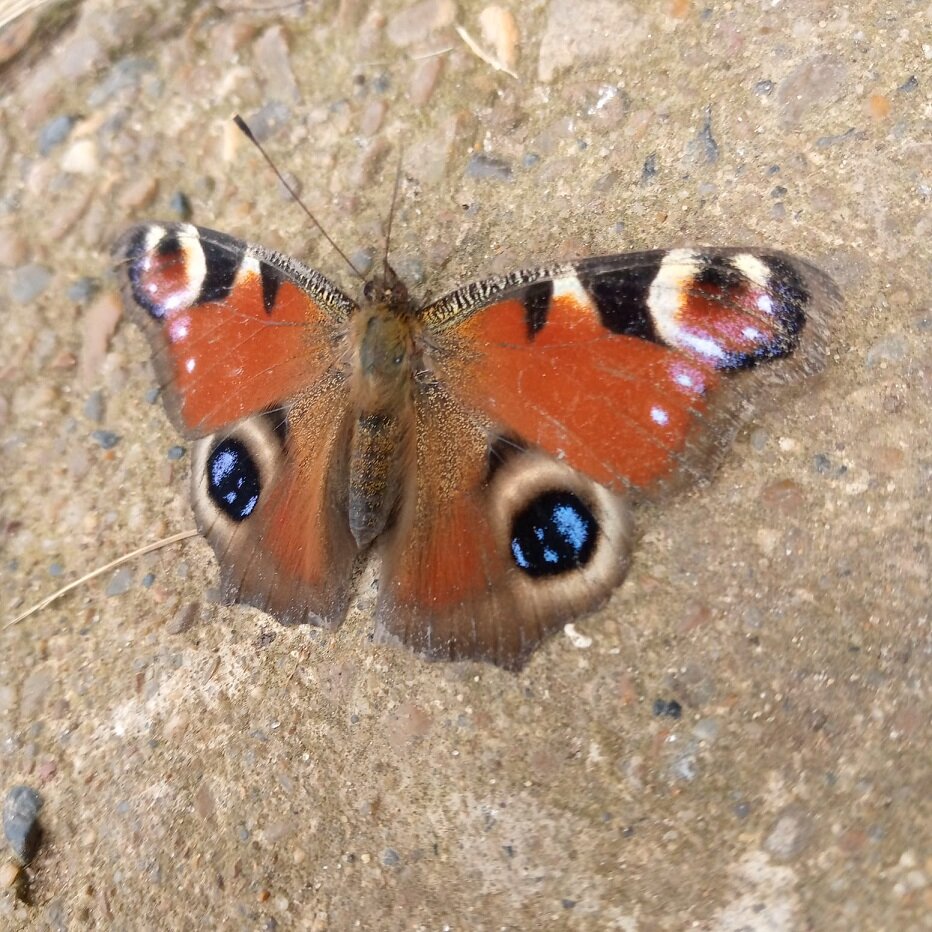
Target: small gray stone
183,619
175,453
29,281
891,348
83,289
790,833
410,269
823,142
124,74
390,857
703,148
269,119
180,206
107,439
94,406
577,32
764,88
363,259
273,62
816,82
121,581
415,23
650,169
486,167
21,822
54,133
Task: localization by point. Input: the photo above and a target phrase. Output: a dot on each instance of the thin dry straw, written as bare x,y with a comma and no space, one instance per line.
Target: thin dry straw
48,600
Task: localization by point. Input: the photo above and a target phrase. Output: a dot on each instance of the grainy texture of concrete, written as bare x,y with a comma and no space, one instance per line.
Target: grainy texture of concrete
200,765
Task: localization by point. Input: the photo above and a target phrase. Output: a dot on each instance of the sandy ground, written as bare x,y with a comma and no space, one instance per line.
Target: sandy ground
202,766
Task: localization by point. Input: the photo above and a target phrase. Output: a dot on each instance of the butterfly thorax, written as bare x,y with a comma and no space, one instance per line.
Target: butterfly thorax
381,338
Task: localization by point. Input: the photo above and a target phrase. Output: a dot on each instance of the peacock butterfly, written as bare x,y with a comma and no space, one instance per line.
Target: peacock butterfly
488,444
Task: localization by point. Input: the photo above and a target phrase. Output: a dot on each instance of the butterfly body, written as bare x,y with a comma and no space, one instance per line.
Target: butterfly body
487,445
385,364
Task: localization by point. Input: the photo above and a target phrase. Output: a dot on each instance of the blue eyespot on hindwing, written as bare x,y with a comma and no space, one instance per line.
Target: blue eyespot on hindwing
555,533
233,481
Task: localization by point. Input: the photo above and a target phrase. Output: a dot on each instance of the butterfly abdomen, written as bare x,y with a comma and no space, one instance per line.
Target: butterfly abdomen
382,379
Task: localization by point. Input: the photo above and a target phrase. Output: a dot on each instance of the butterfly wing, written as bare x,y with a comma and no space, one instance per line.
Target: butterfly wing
495,545
247,348
550,396
615,363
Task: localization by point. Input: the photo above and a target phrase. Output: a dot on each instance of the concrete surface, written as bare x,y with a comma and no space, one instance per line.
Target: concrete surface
201,766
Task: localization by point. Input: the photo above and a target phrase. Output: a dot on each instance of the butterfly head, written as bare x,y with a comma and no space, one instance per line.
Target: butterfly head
387,289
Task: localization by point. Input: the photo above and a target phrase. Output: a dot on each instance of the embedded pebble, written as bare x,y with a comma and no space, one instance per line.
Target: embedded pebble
100,322
175,453
106,439
180,206
94,406
650,169
80,158
16,33
424,79
579,31
363,259
764,88
702,148
29,281
487,167
125,74
21,822
273,61
33,692
706,729
204,804
500,30
606,182
610,109
552,135
418,21
789,834
83,289
784,495
668,707
183,619
370,120
685,764
121,581
264,122
140,194
10,874
390,857
13,249
55,132
410,269
891,348
816,81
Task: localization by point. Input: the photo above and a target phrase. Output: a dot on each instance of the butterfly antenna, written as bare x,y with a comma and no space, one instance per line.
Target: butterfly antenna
247,132
391,214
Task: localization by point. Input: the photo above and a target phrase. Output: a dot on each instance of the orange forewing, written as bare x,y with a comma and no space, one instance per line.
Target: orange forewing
617,408
229,359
